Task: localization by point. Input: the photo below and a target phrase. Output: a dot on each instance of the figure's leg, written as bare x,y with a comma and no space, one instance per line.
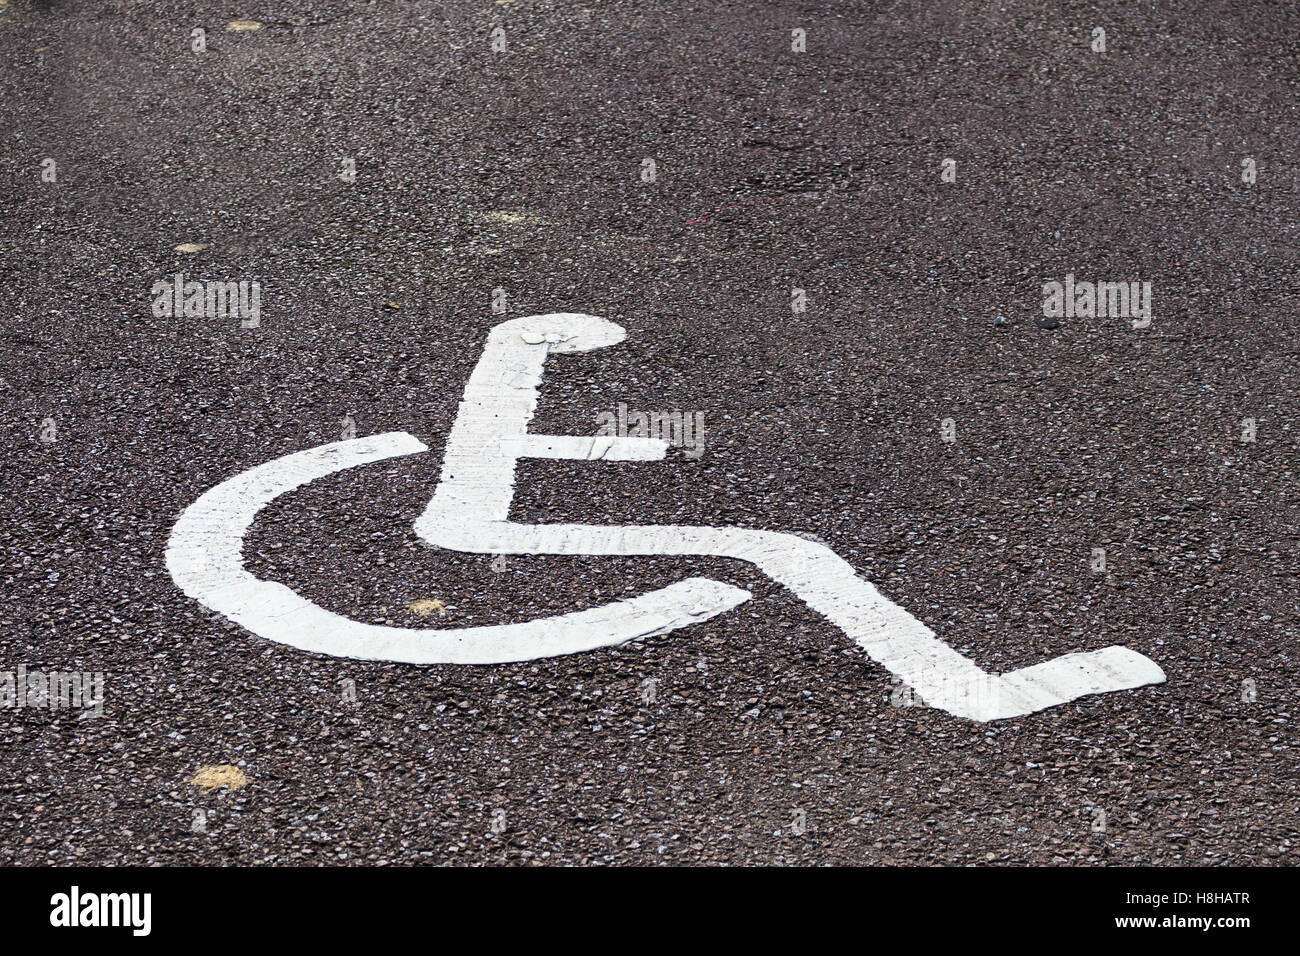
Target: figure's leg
828,584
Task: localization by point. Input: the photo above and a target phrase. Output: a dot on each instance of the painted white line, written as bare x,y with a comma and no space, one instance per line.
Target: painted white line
600,448
470,512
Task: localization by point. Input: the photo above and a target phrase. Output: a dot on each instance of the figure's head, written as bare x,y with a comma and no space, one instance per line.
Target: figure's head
563,331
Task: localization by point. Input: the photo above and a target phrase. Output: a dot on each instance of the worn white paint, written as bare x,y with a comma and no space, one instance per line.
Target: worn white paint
470,512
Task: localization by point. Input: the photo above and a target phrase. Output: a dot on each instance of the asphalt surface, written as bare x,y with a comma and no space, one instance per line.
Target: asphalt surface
770,738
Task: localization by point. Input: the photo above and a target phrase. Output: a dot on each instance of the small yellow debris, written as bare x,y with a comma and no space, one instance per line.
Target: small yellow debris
220,775
392,305
426,606
509,217
243,26
191,247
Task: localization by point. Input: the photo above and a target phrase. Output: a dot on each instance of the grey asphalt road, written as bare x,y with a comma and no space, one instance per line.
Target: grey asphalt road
769,737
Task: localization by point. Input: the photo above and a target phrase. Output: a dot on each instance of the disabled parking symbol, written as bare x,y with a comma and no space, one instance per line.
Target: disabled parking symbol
469,512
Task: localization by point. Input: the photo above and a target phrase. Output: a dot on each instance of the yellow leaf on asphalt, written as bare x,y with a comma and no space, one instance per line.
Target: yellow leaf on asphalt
191,247
220,775
426,606
243,26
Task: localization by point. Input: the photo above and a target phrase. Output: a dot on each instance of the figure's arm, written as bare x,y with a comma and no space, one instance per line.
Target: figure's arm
597,448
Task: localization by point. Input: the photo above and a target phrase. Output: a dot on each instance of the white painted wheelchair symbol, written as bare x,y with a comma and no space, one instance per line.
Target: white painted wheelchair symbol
470,512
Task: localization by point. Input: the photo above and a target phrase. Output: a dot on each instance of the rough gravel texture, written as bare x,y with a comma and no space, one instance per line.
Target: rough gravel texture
522,171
